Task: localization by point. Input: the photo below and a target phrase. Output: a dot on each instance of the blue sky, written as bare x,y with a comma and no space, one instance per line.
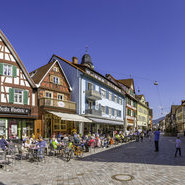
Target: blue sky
144,38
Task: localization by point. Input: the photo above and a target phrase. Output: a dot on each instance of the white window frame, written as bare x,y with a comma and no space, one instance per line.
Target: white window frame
103,109
110,96
103,93
62,95
56,80
115,98
18,96
120,101
50,93
7,67
110,111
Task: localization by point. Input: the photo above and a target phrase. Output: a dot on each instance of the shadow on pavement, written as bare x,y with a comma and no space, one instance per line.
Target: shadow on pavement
142,153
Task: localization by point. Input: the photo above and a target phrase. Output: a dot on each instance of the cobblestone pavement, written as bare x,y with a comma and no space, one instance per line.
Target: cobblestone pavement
136,159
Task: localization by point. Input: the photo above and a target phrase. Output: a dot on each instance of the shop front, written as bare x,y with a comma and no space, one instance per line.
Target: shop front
64,123
103,126
15,128
16,122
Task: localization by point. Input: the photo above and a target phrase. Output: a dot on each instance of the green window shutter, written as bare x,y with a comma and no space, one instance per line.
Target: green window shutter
1,68
26,97
14,71
11,95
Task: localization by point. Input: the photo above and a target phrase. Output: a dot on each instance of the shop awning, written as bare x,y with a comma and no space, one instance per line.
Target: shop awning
70,117
106,121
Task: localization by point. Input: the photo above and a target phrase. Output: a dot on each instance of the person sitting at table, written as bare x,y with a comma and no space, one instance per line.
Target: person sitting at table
54,143
27,143
3,143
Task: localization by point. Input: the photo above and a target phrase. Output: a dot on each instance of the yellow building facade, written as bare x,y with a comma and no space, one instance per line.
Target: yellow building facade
142,113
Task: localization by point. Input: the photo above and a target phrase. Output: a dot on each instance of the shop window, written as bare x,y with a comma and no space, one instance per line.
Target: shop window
3,127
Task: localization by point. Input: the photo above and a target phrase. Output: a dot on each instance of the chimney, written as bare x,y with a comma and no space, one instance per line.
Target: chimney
75,60
182,102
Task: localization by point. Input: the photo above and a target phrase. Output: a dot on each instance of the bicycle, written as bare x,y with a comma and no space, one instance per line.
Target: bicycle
77,150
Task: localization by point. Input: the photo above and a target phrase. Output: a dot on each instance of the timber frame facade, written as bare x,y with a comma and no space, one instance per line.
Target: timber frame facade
18,100
53,90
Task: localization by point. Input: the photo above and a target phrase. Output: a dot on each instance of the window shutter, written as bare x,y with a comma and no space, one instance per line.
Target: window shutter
11,95
14,71
1,68
26,97
51,78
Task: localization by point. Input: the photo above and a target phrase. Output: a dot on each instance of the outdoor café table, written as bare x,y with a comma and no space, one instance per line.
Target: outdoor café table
33,150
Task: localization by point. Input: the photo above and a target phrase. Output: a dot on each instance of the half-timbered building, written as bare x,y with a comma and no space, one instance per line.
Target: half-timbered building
18,106
56,110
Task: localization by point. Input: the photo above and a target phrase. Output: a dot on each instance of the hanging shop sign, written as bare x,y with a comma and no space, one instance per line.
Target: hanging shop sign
14,110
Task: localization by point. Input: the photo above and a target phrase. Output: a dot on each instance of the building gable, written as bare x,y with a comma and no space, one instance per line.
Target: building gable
55,81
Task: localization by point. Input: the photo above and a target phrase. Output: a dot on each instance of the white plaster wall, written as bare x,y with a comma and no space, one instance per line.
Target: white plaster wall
83,96
27,84
16,80
33,99
3,99
8,80
103,102
22,82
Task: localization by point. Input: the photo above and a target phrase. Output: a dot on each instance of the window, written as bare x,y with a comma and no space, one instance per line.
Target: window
103,109
129,112
115,98
110,96
103,93
7,70
60,97
110,111
48,95
55,80
119,113
113,112
18,96
90,86
120,101
55,69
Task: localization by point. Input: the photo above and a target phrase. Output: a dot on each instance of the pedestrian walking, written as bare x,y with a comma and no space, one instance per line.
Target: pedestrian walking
137,136
150,135
142,136
178,146
156,139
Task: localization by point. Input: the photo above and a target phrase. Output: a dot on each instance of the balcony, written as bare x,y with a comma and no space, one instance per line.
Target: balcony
55,103
93,95
94,112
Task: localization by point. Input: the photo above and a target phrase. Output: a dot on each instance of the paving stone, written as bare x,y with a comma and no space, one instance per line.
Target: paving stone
136,159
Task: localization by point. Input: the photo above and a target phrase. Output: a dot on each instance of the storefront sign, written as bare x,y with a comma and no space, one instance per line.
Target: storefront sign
14,110
61,104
